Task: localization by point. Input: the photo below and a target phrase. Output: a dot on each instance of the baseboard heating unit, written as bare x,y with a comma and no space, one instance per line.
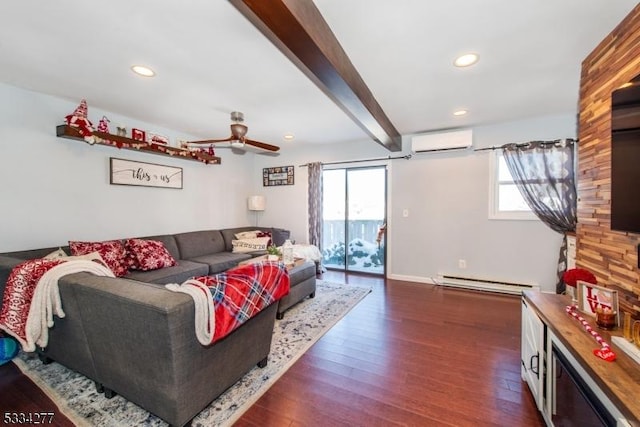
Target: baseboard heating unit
487,285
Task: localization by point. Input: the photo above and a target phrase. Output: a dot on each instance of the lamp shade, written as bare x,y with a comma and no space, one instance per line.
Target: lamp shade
256,203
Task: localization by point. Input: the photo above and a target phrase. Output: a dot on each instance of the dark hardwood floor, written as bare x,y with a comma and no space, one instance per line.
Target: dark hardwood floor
408,354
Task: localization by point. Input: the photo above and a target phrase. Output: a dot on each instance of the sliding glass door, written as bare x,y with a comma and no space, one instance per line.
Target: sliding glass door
354,211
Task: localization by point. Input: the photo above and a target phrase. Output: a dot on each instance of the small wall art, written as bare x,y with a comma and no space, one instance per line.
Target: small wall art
280,175
128,172
594,298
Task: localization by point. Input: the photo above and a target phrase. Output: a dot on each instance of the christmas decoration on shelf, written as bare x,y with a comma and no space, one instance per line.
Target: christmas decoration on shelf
103,125
78,119
139,140
604,352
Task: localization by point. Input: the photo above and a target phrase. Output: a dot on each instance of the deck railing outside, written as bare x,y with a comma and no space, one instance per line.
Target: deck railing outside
363,252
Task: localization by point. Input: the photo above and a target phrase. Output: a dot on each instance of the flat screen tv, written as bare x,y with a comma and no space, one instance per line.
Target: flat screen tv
625,158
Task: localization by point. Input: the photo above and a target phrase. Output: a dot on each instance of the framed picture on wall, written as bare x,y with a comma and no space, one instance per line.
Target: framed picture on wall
280,175
128,172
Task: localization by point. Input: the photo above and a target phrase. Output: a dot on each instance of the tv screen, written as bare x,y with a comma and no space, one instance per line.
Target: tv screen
625,158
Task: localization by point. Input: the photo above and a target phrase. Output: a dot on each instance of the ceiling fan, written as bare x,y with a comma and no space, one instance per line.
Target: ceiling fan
238,142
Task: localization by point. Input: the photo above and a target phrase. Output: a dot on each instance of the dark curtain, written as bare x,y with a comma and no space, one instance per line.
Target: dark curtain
315,204
544,172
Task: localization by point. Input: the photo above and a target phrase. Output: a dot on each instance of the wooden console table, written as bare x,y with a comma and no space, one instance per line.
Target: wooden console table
618,380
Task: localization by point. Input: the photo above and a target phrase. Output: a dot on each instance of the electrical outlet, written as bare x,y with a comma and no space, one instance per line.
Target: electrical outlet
462,263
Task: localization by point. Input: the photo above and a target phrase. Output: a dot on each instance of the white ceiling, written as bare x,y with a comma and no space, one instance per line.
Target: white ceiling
210,61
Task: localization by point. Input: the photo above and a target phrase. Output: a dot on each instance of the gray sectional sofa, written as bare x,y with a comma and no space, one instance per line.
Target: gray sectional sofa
135,338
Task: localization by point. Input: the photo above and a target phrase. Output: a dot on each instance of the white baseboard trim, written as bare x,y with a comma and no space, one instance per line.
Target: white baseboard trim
416,279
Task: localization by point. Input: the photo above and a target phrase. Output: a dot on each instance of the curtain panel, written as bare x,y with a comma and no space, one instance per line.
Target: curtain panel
544,172
314,198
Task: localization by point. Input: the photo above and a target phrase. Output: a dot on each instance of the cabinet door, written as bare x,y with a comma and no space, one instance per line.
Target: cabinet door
532,353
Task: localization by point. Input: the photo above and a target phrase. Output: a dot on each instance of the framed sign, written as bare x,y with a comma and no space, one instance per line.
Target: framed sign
128,172
592,298
281,175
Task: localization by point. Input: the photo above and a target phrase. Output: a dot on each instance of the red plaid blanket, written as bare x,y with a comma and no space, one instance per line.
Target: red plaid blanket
235,297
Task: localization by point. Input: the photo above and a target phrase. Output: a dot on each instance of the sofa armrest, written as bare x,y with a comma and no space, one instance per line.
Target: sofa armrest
143,343
6,266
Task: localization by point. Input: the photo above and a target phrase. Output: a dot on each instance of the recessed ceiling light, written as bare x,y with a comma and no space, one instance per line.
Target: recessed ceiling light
460,113
466,60
143,71
289,136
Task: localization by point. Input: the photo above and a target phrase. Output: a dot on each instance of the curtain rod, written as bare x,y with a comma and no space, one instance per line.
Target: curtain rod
407,157
524,144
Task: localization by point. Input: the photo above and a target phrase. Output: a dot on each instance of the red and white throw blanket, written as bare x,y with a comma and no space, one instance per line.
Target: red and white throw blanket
32,297
225,301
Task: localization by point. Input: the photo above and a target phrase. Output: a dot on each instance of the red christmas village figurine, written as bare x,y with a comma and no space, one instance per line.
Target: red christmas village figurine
103,125
80,121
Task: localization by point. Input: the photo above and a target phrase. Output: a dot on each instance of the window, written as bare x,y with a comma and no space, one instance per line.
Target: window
505,200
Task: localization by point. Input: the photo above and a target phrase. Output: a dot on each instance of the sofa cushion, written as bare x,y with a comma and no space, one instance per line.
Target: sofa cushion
148,255
111,251
168,241
302,272
198,243
221,261
279,235
182,271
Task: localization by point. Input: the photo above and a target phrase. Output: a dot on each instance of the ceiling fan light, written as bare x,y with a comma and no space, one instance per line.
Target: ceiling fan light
236,143
238,130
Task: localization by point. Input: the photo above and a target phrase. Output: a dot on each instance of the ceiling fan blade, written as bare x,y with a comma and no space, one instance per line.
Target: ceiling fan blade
268,153
211,141
262,145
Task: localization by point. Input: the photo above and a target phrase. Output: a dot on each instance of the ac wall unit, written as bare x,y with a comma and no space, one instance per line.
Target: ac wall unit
442,141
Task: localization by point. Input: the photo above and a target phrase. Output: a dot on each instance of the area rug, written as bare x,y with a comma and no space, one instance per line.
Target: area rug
301,327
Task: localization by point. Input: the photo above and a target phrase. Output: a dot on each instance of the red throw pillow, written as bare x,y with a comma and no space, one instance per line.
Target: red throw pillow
265,234
112,252
145,255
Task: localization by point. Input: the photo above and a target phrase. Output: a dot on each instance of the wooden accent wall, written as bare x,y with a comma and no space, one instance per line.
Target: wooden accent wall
612,256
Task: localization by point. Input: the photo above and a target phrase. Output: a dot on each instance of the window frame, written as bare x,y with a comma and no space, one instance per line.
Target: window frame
494,194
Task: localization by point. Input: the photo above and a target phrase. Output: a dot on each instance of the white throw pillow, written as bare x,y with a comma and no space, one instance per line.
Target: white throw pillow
58,253
92,256
247,235
250,245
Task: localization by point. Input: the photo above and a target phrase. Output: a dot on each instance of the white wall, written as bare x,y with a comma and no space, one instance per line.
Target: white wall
447,195
55,189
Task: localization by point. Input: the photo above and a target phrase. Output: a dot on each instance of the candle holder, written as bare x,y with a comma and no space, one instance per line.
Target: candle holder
605,319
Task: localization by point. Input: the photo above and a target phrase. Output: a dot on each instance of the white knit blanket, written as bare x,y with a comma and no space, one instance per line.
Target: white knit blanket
205,319
308,252
46,302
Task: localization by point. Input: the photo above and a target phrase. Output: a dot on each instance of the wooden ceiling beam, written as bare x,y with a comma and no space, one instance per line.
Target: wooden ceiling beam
298,29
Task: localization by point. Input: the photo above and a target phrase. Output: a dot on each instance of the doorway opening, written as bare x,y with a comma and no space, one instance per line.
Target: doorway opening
353,214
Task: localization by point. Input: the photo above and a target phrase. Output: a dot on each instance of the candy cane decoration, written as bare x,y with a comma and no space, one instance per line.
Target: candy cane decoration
604,352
